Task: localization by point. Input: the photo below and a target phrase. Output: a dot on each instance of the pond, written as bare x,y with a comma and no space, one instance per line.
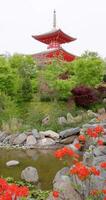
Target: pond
45,162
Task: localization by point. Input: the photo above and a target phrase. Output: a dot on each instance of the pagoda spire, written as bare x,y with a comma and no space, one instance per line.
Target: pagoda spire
54,19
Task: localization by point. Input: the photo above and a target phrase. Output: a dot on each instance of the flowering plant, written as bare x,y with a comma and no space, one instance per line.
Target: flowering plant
12,191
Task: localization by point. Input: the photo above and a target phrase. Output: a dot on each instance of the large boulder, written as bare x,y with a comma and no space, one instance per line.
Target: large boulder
50,134
30,174
69,132
31,140
65,189
12,163
20,139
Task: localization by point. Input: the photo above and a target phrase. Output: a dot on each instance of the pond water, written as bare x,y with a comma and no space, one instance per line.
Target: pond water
45,162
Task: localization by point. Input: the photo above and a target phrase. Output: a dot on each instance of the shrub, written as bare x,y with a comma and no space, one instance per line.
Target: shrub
84,96
102,91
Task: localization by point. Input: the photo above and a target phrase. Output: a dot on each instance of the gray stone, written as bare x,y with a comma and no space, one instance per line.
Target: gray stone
46,141
97,160
70,118
99,151
68,140
2,136
69,132
6,140
12,138
30,174
20,139
50,134
101,111
62,120
31,140
63,172
35,133
12,163
91,114
104,100
65,189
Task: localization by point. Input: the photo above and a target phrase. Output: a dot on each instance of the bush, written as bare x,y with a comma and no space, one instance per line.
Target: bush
85,96
102,91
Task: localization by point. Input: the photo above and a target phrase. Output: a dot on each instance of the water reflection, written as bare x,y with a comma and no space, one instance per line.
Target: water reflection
43,160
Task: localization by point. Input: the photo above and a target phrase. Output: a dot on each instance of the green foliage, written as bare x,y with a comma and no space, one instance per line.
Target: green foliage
88,71
6,77
25,90
52,83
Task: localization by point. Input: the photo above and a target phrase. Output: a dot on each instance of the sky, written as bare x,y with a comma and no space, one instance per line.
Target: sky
82,19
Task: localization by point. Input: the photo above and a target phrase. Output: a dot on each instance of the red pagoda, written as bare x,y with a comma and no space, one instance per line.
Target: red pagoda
54,39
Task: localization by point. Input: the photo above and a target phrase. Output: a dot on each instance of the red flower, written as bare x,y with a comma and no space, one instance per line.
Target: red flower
94,192
100,142
103,165
55,194
99,129
104,191
77,145
82,138
94,171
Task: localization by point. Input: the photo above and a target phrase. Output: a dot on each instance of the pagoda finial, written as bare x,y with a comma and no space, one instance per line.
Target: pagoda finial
54,19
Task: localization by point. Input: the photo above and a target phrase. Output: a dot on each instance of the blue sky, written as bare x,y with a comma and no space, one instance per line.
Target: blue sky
83,19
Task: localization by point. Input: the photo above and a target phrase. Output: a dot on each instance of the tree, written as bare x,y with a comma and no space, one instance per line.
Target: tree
88,71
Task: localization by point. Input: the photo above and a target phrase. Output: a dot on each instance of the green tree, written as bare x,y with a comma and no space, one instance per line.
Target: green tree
88,71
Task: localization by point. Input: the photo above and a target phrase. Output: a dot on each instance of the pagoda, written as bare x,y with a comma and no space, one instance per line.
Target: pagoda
54,39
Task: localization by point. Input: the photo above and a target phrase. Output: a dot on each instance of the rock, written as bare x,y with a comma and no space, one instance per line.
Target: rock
46,120
12,163
104,100
35,133
99,151
62,120
69,132
20,139
63,172
91,114
97,160
70,118
68,140
101,111
78,119
65,189
31,140
12,138
30,174
6,140
46,141
2,136
50,134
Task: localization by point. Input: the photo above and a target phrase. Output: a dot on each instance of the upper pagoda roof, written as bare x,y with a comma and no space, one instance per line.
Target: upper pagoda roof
56,35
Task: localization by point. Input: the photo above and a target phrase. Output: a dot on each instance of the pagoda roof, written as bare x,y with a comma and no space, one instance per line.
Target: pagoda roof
56,35
55,53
